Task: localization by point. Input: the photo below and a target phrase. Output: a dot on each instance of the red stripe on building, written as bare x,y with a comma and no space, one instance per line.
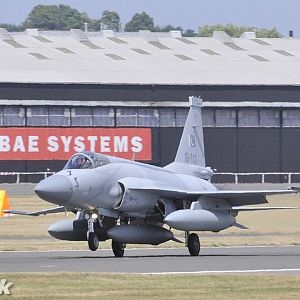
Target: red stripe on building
60,143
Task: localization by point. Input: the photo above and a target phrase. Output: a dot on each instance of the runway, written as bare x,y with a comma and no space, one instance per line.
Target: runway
271,260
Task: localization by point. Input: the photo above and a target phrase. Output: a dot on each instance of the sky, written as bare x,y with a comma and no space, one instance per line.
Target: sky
189,14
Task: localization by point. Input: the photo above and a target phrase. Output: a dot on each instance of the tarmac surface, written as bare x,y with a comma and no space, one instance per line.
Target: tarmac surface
267,260
20,189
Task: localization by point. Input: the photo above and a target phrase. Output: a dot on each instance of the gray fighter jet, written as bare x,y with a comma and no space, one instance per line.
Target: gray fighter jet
135,203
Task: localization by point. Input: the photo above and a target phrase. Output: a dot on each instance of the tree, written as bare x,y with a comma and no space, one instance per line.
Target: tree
110,20
237,31
53,17
230,29
12,27
268,33
140,21
189,33
167,28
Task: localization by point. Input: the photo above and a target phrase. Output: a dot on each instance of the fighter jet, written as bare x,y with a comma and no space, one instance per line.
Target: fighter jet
135,203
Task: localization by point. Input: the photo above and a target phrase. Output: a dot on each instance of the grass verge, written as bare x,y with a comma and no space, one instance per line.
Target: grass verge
127,286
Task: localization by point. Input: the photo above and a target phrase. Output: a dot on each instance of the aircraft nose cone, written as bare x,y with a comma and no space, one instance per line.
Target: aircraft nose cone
56,189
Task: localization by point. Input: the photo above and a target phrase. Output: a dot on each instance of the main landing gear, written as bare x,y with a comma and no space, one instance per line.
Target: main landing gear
93,239
193,243
118,248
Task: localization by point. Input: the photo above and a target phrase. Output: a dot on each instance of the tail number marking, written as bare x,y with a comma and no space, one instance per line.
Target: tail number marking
190,158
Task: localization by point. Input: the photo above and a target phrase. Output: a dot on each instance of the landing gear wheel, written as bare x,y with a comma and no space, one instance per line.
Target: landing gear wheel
193,244
117,248
93,241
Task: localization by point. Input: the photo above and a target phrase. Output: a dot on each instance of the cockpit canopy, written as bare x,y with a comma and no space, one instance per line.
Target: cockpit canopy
86,160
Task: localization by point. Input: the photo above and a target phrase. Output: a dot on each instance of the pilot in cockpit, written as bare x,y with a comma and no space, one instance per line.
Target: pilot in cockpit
80,162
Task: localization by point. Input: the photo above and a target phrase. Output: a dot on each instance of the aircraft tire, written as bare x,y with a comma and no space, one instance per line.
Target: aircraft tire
117,248
93,241
193,244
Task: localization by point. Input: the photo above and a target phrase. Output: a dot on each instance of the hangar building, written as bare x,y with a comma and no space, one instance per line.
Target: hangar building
126,94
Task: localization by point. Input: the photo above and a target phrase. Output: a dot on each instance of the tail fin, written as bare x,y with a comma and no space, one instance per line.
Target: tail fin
190,157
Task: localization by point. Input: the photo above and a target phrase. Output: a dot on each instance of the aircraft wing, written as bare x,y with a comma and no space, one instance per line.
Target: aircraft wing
245,208
36,213
246,197
234,197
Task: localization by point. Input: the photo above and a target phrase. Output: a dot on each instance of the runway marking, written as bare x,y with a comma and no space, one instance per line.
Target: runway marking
224,272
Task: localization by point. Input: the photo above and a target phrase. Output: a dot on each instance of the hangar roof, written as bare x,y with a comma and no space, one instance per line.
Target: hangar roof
147,58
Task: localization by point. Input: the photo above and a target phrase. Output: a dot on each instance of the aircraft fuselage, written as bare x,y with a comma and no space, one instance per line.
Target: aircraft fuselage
94,188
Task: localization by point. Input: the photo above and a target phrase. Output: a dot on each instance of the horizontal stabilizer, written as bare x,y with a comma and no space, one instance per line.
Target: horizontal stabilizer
174,239
37,213
238,225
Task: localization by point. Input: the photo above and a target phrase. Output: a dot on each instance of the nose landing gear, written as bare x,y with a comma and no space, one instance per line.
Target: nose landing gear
96,231
92,238
93,241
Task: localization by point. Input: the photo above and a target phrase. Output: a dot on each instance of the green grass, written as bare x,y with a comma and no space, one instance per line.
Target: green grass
127,286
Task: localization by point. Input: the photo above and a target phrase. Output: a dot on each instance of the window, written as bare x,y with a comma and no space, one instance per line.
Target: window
103,116
158,45
140,51
183,57
291,118
126,117
181,115
39,56
225,118
59,116
269,118
81,116
248,118
13,116
1,116
37,116
79,161
114,56
148,117
208,117
166,117
65,50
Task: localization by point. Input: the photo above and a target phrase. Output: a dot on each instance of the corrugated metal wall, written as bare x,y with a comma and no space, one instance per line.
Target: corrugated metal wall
228,149
148,92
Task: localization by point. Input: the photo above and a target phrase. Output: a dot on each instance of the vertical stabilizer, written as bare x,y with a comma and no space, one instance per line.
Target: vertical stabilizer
190,157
